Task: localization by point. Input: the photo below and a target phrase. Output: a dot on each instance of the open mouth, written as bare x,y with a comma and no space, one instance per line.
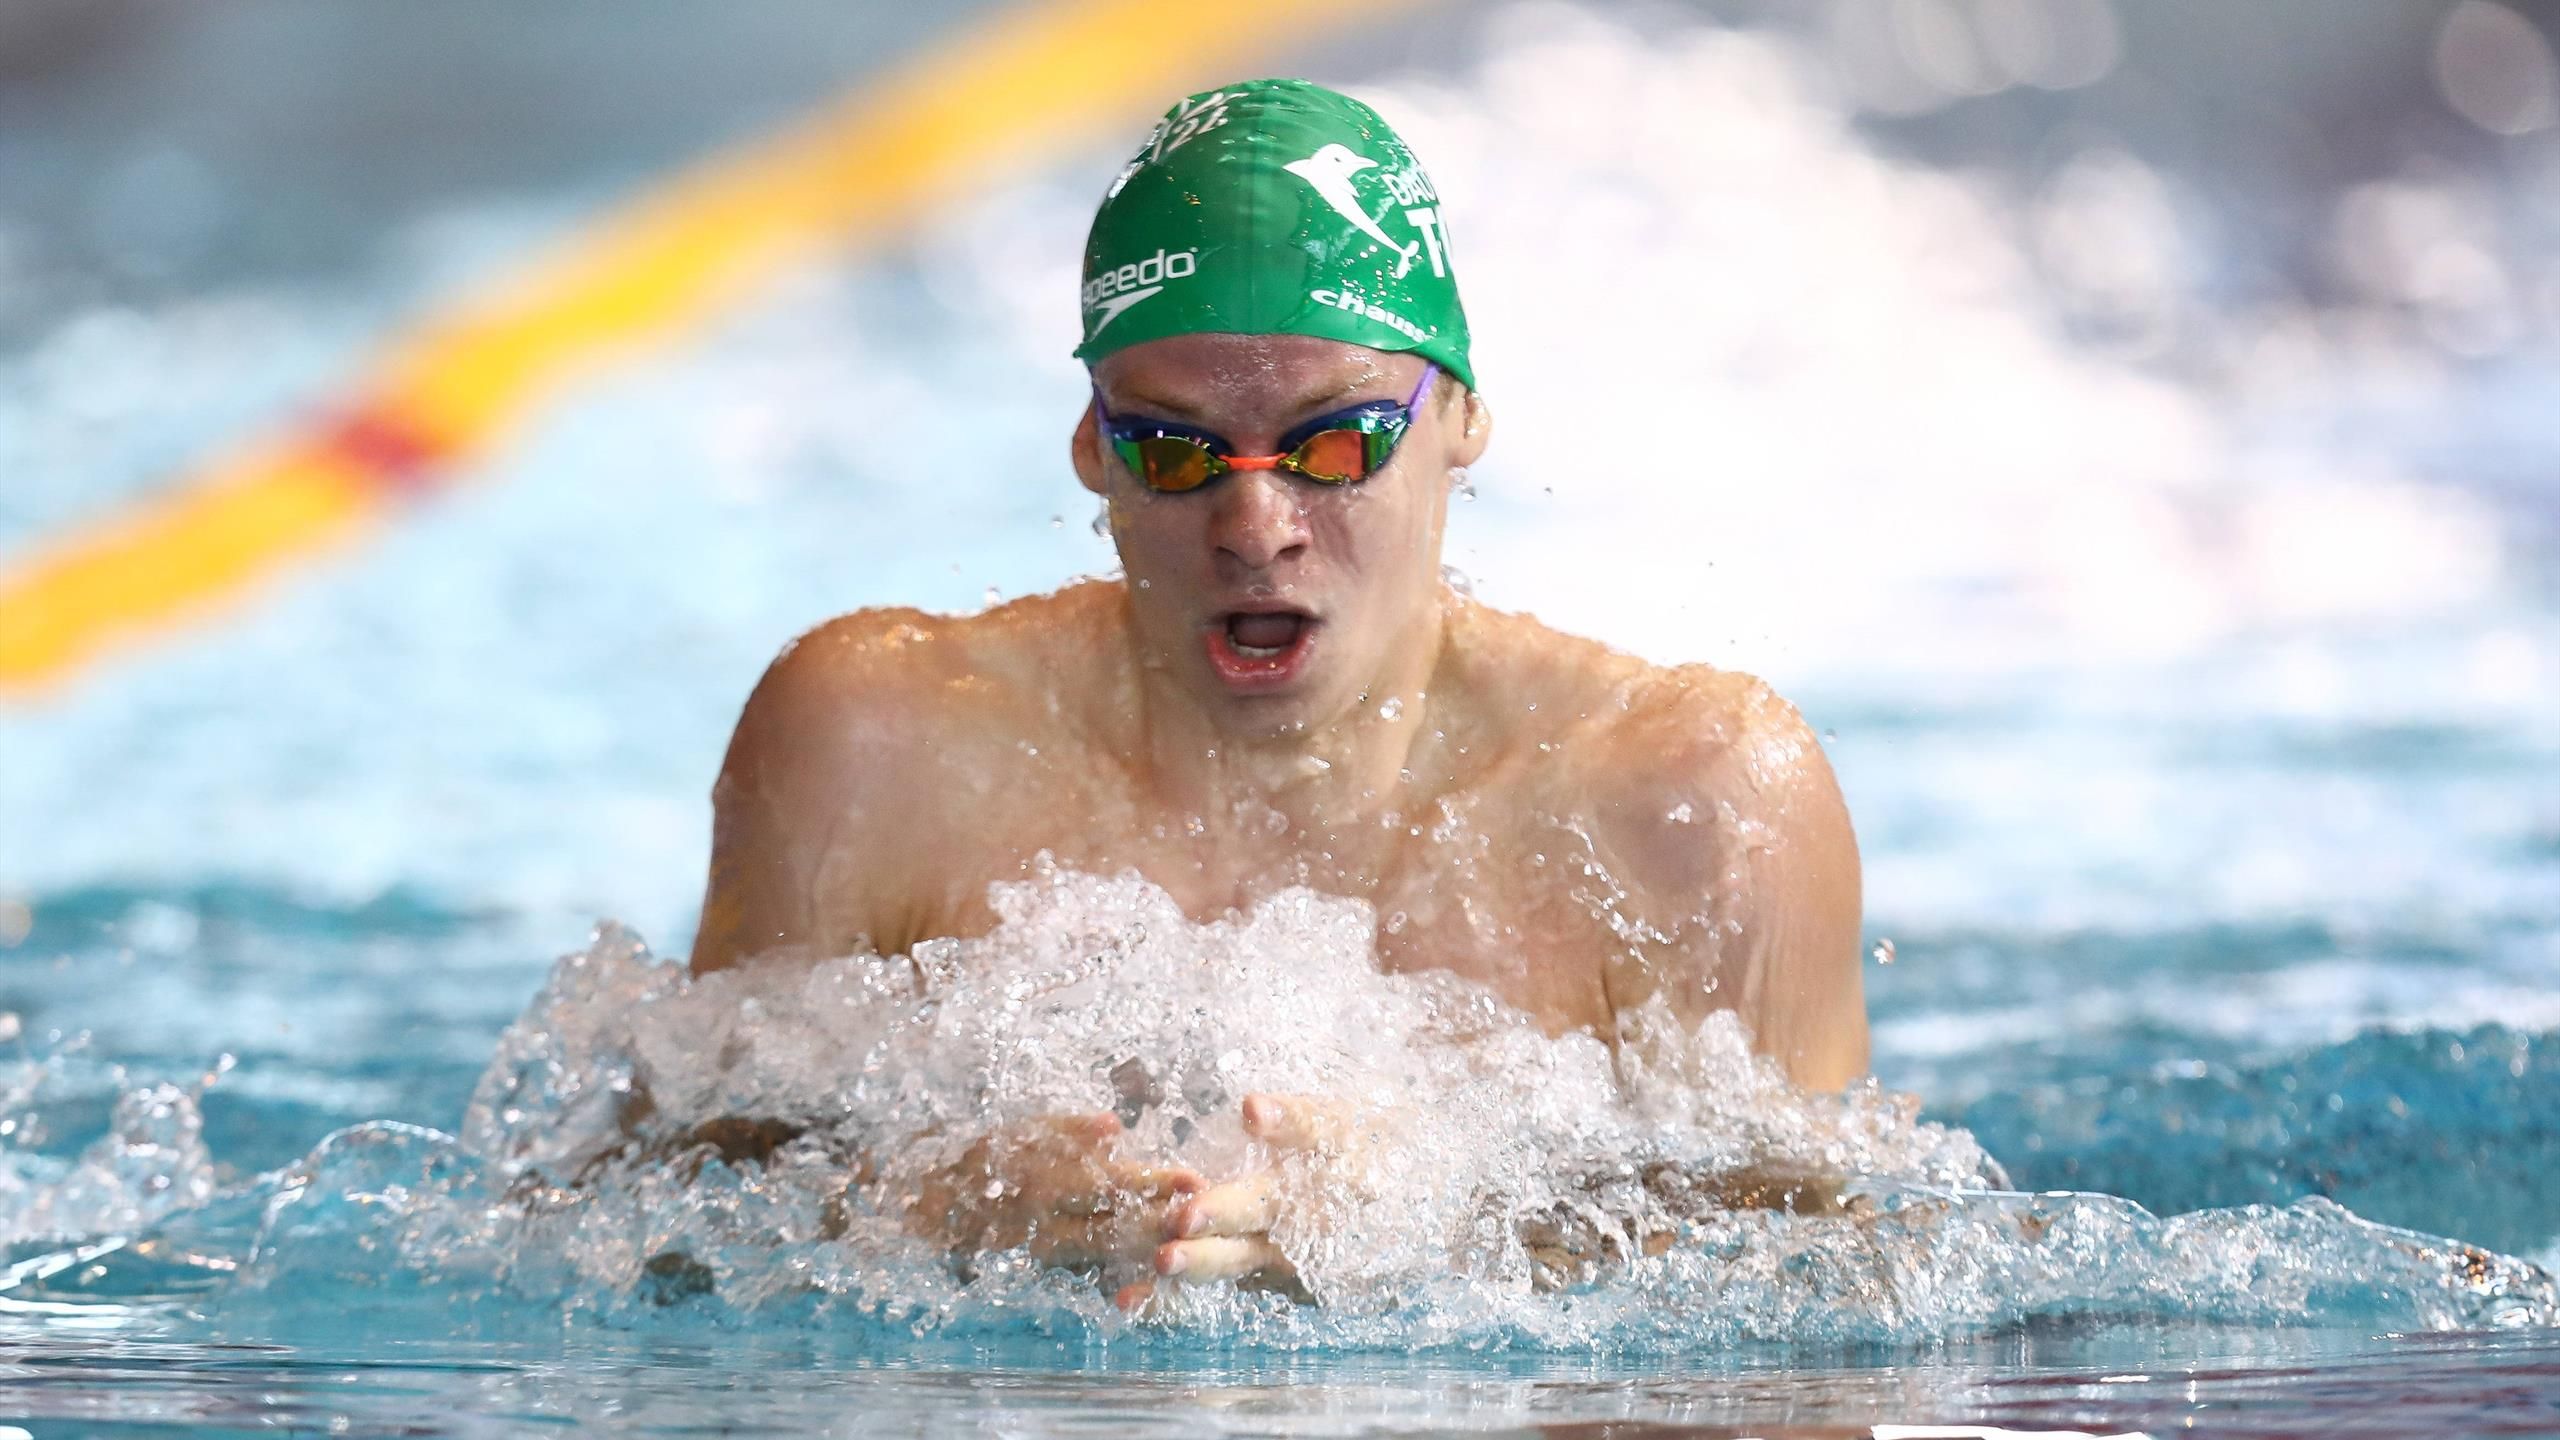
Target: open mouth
1256,650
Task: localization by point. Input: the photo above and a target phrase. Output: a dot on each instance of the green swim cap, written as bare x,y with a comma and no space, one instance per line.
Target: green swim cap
1273,207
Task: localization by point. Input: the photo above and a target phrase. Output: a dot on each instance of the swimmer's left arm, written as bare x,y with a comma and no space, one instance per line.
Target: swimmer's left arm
1732,825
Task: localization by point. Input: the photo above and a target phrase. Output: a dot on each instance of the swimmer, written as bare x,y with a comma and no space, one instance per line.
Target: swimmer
1285,691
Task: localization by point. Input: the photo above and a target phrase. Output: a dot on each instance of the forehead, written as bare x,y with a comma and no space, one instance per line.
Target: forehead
1249,375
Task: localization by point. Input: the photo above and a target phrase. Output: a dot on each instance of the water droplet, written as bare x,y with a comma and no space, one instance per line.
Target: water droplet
1057,522
1397,920
994,1190
1884,952
1146,584
1391,709
1681,814
1830,735
994,596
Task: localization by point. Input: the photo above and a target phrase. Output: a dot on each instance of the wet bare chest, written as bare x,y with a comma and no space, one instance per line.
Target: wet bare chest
1490,884
1514,902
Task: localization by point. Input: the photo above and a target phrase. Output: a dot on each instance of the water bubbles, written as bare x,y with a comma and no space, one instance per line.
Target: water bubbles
1390,708
1675,1190
1681,814
1057,522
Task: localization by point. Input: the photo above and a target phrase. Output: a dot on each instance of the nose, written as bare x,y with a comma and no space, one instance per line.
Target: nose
1258,520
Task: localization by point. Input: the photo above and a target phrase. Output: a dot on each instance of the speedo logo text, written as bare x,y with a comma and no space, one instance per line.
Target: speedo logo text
1115,290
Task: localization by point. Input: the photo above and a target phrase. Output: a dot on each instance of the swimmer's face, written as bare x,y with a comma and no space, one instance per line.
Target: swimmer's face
1276,601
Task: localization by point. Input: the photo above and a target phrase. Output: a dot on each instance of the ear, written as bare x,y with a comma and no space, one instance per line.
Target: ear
1475,431
1084,450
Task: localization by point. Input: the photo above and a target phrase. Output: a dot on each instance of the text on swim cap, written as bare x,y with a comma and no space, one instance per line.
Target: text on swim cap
1190,118
1154,270
1345,300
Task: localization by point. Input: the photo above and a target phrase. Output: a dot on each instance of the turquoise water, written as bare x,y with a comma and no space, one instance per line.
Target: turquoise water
2210,795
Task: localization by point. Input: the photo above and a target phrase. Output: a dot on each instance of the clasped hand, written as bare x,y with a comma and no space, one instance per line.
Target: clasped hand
1061,1189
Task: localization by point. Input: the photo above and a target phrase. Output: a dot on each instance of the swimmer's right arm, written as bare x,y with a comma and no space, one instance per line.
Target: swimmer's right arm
818,801
821,828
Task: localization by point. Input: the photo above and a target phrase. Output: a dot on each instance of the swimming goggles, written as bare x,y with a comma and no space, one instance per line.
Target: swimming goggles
1342,448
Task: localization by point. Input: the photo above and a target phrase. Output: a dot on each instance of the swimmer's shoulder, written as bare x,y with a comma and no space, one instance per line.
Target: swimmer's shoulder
1622,726
854,674
897,685
1700,717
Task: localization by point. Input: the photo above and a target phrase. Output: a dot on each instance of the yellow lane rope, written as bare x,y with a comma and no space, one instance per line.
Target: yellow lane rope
986,102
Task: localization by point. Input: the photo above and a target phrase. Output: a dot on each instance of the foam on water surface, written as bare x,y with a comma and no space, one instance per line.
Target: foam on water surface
1499,1188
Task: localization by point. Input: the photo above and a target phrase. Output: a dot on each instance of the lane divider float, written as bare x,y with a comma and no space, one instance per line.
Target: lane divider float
985,102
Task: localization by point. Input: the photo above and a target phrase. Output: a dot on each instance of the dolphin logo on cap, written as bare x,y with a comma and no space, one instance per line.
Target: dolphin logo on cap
1330,170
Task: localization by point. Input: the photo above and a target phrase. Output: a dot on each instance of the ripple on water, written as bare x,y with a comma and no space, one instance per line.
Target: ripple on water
1506,1190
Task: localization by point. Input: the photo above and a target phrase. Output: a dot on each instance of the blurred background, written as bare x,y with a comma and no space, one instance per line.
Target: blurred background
2128,430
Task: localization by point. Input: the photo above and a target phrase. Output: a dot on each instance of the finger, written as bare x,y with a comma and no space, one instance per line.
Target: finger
1084,1240
1071,1240
1239,1207
1064,1162
1297,1122
1219,1257
1156,1182
1087,1129
1136,1298
1096,1182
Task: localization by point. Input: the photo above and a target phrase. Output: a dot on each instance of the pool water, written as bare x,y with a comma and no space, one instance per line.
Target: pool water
2200,738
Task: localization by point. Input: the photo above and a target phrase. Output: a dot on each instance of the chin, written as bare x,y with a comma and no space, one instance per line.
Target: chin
1266,717
1280,714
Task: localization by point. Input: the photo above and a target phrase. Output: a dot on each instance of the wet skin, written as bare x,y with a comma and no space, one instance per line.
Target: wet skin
1576,829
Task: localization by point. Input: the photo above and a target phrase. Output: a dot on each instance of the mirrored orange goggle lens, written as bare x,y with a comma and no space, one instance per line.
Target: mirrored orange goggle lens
1335,455
1169,463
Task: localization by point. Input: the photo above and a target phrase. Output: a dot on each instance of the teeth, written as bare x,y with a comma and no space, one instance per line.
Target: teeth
1258,652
